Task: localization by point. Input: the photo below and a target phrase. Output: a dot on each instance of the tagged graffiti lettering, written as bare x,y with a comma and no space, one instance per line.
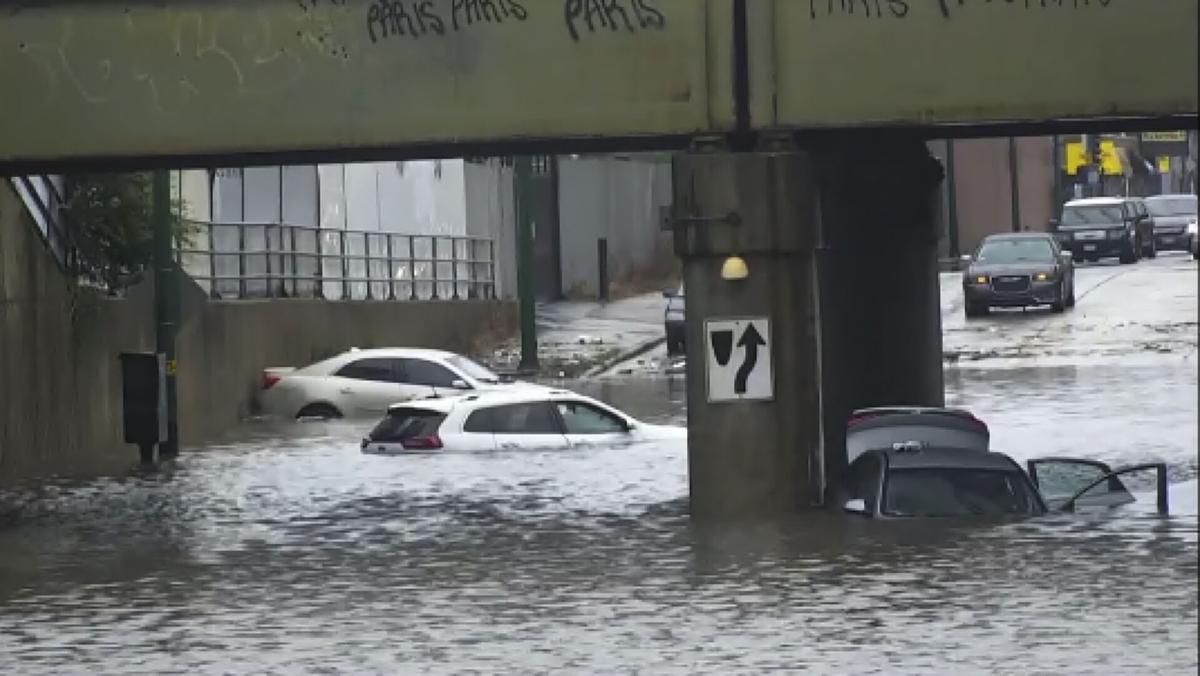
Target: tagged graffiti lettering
417,18
868,8
949,9
612,15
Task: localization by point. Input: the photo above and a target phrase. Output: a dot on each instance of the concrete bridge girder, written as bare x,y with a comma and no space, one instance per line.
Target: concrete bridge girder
188,81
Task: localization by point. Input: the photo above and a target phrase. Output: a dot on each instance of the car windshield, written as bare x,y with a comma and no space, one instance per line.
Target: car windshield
945,492
1172,206
1016,251
1094,215
473,369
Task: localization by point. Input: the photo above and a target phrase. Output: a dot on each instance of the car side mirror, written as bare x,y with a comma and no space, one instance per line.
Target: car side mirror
855,506
460,385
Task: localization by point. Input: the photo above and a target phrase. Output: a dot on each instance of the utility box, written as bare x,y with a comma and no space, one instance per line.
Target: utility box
144,397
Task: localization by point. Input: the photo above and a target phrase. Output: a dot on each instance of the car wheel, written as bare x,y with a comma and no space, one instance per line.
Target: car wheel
321,411
1152,250
1071,295
1129,255
1060,303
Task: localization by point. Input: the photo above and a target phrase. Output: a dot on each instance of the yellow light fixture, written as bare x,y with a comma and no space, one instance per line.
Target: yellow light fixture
734,268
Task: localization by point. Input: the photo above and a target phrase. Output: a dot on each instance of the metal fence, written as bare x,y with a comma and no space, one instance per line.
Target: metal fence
273,260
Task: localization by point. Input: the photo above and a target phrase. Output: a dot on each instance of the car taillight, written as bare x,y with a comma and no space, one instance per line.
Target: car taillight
269,380
427,443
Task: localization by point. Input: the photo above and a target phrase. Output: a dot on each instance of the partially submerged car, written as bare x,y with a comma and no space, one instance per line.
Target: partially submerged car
367,382
522,420
1018,270
915,468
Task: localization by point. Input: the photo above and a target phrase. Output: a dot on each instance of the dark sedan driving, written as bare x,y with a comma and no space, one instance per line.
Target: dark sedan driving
1018,270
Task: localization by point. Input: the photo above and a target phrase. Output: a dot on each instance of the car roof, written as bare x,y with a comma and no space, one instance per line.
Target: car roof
1097,201
1170,196
396,352
475,400
1017,235
947,458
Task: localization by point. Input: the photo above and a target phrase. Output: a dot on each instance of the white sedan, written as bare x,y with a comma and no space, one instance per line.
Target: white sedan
520,420
367,382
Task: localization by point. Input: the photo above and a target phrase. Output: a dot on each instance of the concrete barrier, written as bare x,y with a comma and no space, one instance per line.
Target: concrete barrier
60,380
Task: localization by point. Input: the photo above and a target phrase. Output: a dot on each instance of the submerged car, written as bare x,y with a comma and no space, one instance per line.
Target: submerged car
1018,270
525,420
916,469
1174,221
1101,227
367,382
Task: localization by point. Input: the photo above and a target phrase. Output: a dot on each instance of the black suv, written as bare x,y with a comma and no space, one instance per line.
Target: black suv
1103,227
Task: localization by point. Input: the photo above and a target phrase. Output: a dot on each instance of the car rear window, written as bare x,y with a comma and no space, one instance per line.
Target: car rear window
407,423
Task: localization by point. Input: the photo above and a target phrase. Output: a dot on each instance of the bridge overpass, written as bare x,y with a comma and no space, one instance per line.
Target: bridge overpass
799,124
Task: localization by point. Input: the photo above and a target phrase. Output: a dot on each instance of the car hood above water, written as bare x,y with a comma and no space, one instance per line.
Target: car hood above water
649,432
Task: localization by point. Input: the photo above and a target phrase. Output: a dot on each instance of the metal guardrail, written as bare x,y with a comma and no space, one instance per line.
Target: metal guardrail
45,203
276,260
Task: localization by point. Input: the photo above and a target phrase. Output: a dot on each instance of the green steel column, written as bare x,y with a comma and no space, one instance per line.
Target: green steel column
166,302
525,272
952,201
1014,184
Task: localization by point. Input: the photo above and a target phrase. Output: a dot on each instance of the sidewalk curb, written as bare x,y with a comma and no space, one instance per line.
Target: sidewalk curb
624,356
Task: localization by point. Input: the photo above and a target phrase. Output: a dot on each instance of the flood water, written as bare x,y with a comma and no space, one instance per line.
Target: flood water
285,550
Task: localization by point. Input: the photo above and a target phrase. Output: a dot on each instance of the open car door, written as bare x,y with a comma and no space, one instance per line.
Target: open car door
1069,483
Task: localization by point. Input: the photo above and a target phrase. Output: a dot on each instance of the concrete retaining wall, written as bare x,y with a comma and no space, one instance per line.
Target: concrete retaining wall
60,381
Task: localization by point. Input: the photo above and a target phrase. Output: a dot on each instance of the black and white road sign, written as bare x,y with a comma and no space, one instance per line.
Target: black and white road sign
739,359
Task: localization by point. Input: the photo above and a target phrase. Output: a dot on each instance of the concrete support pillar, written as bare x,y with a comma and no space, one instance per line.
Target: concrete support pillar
841,244
751,458
880,309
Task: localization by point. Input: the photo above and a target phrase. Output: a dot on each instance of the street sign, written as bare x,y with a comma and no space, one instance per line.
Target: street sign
738,356
1165,137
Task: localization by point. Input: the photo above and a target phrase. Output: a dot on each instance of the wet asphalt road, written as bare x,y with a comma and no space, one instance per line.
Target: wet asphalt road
284,550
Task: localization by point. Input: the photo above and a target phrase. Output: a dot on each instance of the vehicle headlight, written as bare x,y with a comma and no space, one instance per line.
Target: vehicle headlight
1116,234
1193,227
1042,277
980,279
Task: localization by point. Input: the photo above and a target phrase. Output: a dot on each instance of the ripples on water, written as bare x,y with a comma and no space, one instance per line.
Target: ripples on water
288,551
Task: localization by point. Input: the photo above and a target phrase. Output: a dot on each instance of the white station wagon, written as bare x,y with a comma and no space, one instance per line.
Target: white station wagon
366,382
522,420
